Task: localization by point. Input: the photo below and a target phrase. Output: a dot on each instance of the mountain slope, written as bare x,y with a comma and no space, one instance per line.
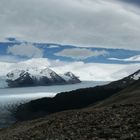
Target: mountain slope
70,77
72,100
129,95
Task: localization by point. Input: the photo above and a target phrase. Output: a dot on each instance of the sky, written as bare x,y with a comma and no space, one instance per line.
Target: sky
82,36
135,2
102,23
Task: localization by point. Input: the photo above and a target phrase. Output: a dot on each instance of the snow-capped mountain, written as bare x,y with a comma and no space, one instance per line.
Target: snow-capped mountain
35,77
126,81
70,77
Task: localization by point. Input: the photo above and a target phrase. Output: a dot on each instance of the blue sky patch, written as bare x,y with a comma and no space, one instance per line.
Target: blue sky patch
50,50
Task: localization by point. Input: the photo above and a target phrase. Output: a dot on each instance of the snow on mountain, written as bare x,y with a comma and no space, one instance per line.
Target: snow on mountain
35,64
33,72
70,77
70,74
48,72
13,75
136,76
129,79
65,77
35,77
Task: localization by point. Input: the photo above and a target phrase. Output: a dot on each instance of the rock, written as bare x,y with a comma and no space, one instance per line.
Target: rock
125,137
82,124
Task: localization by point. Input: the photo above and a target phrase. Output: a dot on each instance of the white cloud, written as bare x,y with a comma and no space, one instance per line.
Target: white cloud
54,46
33,63
98,72
86,71
80,53
100,23
9,58
25,49
130,59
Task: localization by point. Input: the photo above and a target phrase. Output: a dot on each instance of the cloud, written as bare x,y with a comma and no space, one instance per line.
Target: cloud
97,71
86,71
130,59
9,58
81,53
39,63
26,50
11,39
98,23
54,46
34,63
135,2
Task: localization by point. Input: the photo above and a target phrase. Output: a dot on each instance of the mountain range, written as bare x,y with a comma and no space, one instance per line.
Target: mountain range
39,77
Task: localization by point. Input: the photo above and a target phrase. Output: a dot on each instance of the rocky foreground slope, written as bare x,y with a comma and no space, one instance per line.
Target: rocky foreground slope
121,122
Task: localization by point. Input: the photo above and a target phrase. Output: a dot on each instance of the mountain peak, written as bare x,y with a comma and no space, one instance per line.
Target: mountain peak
70,74
13,75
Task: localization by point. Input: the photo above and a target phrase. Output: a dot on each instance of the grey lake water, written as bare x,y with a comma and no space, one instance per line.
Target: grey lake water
9,97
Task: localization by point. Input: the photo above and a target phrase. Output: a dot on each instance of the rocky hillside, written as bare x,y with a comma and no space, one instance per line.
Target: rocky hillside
121,122
129,95
39,77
